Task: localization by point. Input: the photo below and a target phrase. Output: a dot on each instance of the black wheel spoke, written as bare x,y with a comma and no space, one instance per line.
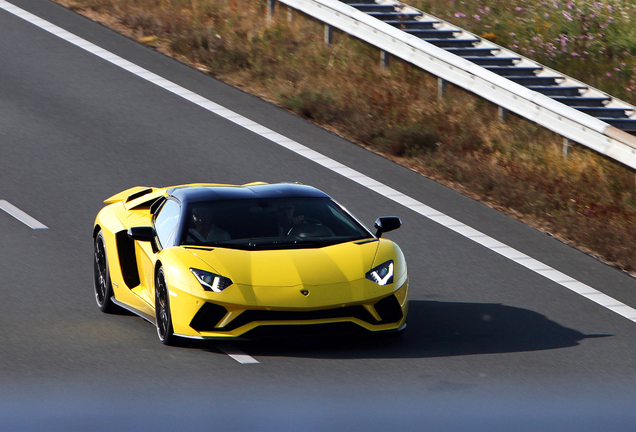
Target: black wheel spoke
103,290
162,306
99,266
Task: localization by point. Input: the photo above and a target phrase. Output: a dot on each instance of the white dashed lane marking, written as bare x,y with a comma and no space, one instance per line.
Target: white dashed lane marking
236,353
335,166
21,216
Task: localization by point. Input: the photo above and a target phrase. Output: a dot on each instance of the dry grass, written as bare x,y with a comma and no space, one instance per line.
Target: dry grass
514,166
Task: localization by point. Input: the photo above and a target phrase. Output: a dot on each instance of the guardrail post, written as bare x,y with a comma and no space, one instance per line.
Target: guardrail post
502,113
271,4
328,34
384,59
290,14
566,146
441,88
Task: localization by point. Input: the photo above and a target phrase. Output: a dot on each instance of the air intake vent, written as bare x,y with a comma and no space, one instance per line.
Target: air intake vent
263,315
138,194
127,259
389,310
208,317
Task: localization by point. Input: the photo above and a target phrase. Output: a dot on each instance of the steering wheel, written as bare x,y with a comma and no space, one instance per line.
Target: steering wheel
305,221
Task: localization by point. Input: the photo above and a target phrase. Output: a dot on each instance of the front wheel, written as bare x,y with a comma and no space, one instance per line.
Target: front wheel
101,276
162,310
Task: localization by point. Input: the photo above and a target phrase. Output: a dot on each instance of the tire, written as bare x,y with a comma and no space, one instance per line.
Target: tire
103,286
163,317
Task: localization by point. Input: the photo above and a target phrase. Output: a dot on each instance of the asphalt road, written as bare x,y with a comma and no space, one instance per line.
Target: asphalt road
490,344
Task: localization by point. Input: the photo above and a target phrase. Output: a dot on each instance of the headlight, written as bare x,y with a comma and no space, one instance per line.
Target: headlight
382,274
210,281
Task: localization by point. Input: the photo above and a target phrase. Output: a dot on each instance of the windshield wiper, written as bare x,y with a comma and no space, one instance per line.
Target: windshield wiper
282,241
287,242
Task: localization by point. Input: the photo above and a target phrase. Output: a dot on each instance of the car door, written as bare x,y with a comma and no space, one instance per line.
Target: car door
165,222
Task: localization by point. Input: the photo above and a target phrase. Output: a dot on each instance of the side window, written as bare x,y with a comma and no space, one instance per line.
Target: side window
166,221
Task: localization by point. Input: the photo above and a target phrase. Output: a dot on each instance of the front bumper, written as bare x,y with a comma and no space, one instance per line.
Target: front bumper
205,318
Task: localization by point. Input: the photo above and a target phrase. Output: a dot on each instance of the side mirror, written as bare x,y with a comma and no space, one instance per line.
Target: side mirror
142,233
386,224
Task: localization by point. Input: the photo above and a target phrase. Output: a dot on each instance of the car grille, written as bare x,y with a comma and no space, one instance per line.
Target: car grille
210,314
207,317
264,315
314,330
389,310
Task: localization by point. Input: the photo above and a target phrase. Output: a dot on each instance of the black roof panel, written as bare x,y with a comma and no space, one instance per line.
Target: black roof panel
213,193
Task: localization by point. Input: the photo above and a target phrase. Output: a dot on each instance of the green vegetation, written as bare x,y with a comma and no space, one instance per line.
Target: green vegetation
592,41
515,166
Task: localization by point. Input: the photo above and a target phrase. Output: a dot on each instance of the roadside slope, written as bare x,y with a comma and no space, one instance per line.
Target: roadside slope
516,166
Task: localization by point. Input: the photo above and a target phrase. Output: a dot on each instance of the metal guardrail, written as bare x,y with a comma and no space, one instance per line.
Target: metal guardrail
372,22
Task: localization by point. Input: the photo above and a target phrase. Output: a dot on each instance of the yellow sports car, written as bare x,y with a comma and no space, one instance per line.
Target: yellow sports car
214,261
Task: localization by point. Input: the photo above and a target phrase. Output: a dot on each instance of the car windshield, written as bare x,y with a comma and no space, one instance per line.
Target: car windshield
277,223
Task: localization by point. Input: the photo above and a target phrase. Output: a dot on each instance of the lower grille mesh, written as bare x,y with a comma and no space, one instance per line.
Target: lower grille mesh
264,315
207,317
211,314
389,310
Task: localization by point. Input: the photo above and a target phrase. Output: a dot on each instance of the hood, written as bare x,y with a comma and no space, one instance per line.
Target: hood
334,264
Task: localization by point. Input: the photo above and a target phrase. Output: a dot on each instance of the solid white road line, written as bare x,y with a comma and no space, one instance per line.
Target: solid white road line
335,166
21,216
236,353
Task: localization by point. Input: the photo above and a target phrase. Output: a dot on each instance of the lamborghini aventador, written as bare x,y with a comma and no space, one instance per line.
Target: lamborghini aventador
214,261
